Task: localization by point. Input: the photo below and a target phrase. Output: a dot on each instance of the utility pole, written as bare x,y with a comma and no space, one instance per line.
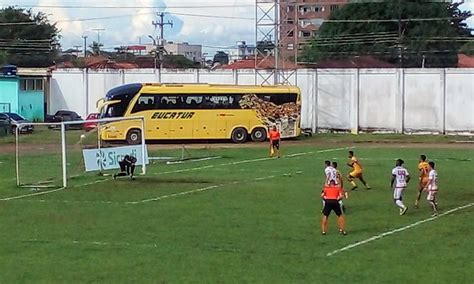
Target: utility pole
400,46
85,46
159,45
161,24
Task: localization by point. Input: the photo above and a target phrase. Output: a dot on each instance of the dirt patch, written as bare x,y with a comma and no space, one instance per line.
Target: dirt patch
320,143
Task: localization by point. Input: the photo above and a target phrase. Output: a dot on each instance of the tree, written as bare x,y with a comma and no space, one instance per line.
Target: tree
27,39
95,47
397,36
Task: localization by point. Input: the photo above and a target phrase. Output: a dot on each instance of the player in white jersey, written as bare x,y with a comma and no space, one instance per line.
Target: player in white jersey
432,188
400,179
331,173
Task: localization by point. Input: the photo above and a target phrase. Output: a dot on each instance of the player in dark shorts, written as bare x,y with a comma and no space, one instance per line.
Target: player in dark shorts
275,137
331,194
127,167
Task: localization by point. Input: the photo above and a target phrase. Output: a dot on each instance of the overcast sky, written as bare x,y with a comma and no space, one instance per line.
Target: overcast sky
206,29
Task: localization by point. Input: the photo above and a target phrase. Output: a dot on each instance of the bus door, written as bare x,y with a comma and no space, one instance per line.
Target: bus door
179,117
181,127
204,125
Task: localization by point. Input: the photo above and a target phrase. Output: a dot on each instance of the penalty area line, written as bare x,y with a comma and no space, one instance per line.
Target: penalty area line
198,190
388,233
254,160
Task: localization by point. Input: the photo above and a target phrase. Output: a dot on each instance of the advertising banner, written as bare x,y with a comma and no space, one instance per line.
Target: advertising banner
109,158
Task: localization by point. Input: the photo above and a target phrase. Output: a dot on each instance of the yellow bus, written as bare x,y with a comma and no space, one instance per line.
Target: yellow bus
201,111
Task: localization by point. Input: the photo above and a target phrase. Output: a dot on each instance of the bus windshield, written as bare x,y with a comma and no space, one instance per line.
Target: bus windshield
113,110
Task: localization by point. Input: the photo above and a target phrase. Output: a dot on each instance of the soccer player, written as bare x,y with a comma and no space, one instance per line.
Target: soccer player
400,177
356,172
331,194
339,182
127,167
275,137
423,167
330,172
432,188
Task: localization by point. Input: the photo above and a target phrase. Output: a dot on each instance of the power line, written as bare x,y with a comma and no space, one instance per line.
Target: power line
126,16
243,18
136,7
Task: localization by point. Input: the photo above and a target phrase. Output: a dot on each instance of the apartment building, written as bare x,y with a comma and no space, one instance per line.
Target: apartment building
192,52
308,15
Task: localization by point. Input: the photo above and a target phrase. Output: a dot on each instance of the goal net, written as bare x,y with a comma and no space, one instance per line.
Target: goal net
51,155
179,153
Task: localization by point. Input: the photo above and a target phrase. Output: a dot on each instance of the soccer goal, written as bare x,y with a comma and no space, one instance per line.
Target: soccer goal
51,155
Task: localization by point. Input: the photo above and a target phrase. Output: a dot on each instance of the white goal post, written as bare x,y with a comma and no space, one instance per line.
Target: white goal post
50,154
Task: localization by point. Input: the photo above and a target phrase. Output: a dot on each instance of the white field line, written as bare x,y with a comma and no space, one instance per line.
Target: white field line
91,243
193,161
49,191
183,170
388,233
152,199
410,159
198,190
32,194
253,160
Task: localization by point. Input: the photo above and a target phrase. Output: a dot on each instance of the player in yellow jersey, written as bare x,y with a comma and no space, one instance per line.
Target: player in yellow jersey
356,172
423,167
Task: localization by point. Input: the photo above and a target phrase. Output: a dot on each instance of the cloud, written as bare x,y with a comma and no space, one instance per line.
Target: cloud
216,31
208,31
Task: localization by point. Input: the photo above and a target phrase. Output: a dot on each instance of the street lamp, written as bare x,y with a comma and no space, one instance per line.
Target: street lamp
156,49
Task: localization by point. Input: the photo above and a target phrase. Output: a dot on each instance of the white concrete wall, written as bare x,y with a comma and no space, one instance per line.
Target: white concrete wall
395,100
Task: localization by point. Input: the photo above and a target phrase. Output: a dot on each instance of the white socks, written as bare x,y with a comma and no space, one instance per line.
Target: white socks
400,204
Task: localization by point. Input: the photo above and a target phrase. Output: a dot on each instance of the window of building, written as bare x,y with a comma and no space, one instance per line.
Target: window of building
318,8
290,46
305,34
31,85
290,34
39,84
304,9
334,7
22,85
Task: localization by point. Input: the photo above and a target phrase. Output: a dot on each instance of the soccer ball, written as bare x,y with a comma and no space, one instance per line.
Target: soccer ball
83,136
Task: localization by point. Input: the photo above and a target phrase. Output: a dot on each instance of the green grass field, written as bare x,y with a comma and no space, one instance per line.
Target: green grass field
243,218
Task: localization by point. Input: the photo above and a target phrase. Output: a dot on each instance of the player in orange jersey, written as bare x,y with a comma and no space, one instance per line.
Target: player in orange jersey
275,137
423,167
331,194
356,172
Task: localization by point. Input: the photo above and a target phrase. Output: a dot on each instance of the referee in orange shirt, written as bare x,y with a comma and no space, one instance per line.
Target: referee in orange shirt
275,137
331,195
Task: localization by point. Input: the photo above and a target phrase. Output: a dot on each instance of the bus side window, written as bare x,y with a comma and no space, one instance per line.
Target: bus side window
236,101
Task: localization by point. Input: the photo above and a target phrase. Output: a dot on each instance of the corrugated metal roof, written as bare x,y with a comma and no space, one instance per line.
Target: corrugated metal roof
33,72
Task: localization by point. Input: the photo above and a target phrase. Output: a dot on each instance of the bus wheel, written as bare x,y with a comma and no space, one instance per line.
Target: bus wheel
134,137
259,135
239,135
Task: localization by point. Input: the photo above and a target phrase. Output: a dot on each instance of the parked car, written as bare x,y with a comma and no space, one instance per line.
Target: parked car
15,119
65,115
88,126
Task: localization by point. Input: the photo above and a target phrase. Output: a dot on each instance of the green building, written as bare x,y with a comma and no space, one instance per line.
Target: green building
24,94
